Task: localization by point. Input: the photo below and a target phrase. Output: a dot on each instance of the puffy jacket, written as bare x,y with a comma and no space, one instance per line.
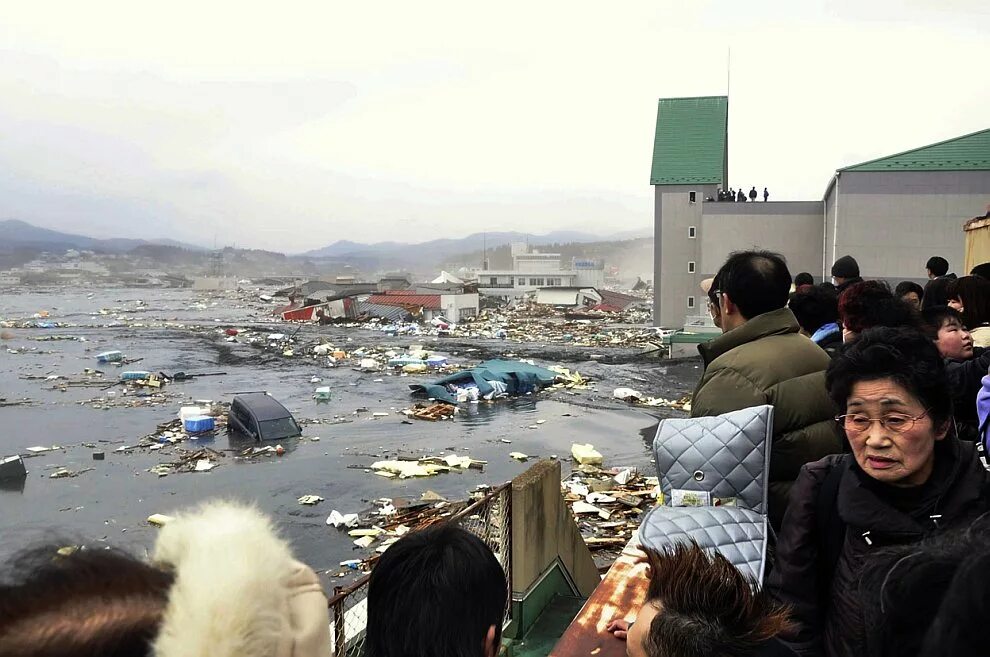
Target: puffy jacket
875,516
766,361
965,382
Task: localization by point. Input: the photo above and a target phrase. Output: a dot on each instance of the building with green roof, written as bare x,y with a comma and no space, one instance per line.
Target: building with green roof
891,213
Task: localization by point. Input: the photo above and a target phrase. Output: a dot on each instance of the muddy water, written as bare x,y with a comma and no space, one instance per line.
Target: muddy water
110,503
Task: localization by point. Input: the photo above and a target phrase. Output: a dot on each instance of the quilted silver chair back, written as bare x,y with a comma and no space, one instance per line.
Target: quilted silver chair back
722,459
725,456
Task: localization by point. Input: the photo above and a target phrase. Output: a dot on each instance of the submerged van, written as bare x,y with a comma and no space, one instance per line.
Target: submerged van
260,416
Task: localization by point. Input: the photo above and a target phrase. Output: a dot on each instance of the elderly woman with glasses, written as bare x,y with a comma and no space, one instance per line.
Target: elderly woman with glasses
906,476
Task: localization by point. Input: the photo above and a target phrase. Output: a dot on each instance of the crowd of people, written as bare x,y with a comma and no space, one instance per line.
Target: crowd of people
730,195
878,499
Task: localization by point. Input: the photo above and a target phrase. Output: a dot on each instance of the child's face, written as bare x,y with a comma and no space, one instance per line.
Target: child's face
954,341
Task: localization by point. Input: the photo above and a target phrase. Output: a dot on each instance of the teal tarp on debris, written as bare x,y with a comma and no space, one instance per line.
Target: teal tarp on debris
519,378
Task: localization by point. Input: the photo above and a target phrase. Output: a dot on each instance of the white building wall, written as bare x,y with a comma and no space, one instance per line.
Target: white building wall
452,305
892,222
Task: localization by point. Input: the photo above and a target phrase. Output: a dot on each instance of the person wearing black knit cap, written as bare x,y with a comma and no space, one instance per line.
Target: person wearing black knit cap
845,272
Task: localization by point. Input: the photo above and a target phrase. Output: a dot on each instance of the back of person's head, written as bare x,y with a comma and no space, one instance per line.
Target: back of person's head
904,355
437,592
705,606
937,265
756,281
973,293
981,270
931,597
868,304
814,307
804,278
84,603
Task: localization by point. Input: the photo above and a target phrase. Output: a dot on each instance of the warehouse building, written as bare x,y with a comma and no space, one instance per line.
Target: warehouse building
891,213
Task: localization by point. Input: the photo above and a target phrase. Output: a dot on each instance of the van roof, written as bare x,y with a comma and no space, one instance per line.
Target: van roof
263,406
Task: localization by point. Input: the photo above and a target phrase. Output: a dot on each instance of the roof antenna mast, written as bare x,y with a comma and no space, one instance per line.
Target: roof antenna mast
728,71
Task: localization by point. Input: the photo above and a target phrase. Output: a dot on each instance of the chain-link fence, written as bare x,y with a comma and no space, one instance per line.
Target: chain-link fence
489,518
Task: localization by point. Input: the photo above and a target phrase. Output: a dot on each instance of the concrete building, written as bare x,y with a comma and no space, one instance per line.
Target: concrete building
532,269
891,213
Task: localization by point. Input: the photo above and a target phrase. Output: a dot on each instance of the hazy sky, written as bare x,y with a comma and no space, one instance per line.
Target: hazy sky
291,125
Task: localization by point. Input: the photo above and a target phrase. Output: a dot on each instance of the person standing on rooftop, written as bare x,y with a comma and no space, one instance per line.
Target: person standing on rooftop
766,195
741,196
752,194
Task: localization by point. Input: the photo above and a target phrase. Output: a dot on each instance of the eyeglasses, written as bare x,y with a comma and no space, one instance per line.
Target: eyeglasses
893,422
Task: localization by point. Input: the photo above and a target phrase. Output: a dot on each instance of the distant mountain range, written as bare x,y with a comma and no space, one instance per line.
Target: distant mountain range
16,234
440,249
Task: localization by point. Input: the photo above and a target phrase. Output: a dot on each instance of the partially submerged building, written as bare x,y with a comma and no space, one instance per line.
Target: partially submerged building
891,213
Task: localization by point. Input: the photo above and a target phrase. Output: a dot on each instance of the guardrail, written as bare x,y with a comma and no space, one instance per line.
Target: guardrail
489,518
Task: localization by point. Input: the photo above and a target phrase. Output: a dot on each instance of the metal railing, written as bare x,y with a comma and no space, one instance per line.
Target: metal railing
489,518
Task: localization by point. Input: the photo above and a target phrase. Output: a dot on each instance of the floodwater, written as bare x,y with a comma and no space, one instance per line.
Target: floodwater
179,331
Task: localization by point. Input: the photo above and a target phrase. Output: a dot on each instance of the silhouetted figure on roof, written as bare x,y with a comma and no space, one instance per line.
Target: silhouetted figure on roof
752,194
766,195
741,196
732,195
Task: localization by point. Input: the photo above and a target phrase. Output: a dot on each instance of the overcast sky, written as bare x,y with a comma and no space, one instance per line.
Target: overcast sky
291,125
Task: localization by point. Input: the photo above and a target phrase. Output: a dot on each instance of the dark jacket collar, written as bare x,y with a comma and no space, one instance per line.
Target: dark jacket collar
775,322
960,484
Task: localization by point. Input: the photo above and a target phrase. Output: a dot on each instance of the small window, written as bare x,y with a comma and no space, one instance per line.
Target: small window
693,197
691,266
690,302
532,282
522,281
692,232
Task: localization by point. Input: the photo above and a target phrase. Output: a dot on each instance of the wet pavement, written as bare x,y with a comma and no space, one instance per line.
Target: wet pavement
179,331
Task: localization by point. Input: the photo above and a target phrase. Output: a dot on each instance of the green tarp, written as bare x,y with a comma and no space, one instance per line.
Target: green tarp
518,378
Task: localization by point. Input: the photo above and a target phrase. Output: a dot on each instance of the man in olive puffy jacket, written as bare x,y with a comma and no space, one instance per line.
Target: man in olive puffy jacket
761,358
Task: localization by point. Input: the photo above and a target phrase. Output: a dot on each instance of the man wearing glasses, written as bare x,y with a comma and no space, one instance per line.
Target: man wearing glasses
761,358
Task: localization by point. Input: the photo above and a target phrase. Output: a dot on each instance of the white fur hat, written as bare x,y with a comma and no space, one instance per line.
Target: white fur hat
238,591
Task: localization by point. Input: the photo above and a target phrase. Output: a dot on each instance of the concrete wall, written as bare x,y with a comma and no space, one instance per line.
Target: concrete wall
892,222
673,249
794,229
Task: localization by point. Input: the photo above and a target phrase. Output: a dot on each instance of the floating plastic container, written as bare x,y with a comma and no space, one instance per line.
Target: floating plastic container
199,424
436,361
187,412
110,357
135,375
322,394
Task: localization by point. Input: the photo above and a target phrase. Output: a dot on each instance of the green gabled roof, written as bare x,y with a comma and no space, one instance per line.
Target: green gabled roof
967,153
690,142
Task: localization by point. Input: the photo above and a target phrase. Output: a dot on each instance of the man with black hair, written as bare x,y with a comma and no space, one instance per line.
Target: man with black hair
936,288
762,359
803,281
698,604
981,270
437,592
910,293
817,311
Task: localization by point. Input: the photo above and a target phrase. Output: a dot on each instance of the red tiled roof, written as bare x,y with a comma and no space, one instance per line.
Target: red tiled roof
428,301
